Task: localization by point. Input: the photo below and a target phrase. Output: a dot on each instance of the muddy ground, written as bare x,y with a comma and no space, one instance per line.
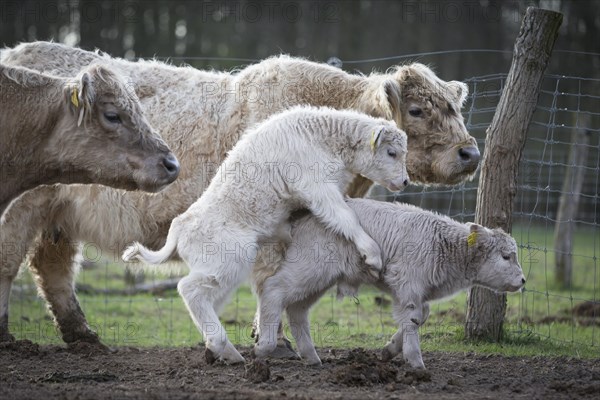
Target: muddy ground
29,371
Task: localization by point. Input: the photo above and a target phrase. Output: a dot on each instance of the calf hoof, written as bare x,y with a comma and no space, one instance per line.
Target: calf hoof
228,357
386,355
314,362
233,359
284,352
375,263
415,363
209,356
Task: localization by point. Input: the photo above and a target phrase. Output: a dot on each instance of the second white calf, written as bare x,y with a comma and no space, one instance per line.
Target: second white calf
426,257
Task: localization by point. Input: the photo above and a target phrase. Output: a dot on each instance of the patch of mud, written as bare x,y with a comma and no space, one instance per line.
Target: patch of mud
590,309
363,368
62,377
257,371
22,346
29,371
87,348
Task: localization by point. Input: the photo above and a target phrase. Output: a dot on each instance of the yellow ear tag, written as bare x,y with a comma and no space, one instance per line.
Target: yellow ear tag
373,141
471,239
75,97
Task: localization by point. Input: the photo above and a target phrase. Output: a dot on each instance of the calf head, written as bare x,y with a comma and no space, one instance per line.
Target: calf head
386,151
107,136
495,257
440,150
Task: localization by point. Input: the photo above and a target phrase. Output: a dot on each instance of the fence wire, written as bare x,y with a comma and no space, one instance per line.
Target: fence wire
545,309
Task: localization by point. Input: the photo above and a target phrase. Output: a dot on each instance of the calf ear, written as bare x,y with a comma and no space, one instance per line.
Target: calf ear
87,89
376,138
474,232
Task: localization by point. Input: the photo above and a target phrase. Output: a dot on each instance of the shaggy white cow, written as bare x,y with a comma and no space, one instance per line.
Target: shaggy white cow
426,257
201,115
254,191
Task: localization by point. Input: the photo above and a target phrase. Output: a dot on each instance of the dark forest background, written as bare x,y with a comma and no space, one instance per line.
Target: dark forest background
350,30
469,39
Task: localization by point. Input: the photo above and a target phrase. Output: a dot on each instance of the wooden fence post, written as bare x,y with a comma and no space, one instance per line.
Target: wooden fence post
504,144
569,202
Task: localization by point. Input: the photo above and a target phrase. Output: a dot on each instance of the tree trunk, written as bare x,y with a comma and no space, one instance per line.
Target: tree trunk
569,202
504,144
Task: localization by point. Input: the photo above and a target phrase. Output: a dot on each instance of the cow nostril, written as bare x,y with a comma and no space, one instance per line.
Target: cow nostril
405,183
523,281
469,154
171,164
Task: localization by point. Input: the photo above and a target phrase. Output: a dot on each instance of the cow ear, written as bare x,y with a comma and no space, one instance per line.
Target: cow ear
143,91
459,91
391,90
72,93
86,93
376,138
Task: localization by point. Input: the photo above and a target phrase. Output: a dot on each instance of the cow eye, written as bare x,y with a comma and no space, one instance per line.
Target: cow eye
392,153
506,257
112,117
415,111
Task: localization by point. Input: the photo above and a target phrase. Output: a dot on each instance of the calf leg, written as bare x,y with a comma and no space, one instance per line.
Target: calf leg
269,321
268,261
331,209
53,267
199,292
409,317
283,348
300,326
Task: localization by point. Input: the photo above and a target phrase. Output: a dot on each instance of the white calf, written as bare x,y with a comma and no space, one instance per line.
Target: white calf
426,257
302,158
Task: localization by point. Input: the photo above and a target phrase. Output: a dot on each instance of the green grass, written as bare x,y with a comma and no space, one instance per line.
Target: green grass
539,320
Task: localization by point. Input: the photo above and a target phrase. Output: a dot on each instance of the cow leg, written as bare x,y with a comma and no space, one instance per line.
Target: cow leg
53,266
24,219
5,286
8,271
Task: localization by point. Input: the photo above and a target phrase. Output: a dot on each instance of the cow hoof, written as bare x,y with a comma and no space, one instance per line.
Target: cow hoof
86,336
6,337
84,347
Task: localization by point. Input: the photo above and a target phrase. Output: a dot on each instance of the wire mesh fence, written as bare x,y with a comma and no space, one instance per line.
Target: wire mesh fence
127,312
